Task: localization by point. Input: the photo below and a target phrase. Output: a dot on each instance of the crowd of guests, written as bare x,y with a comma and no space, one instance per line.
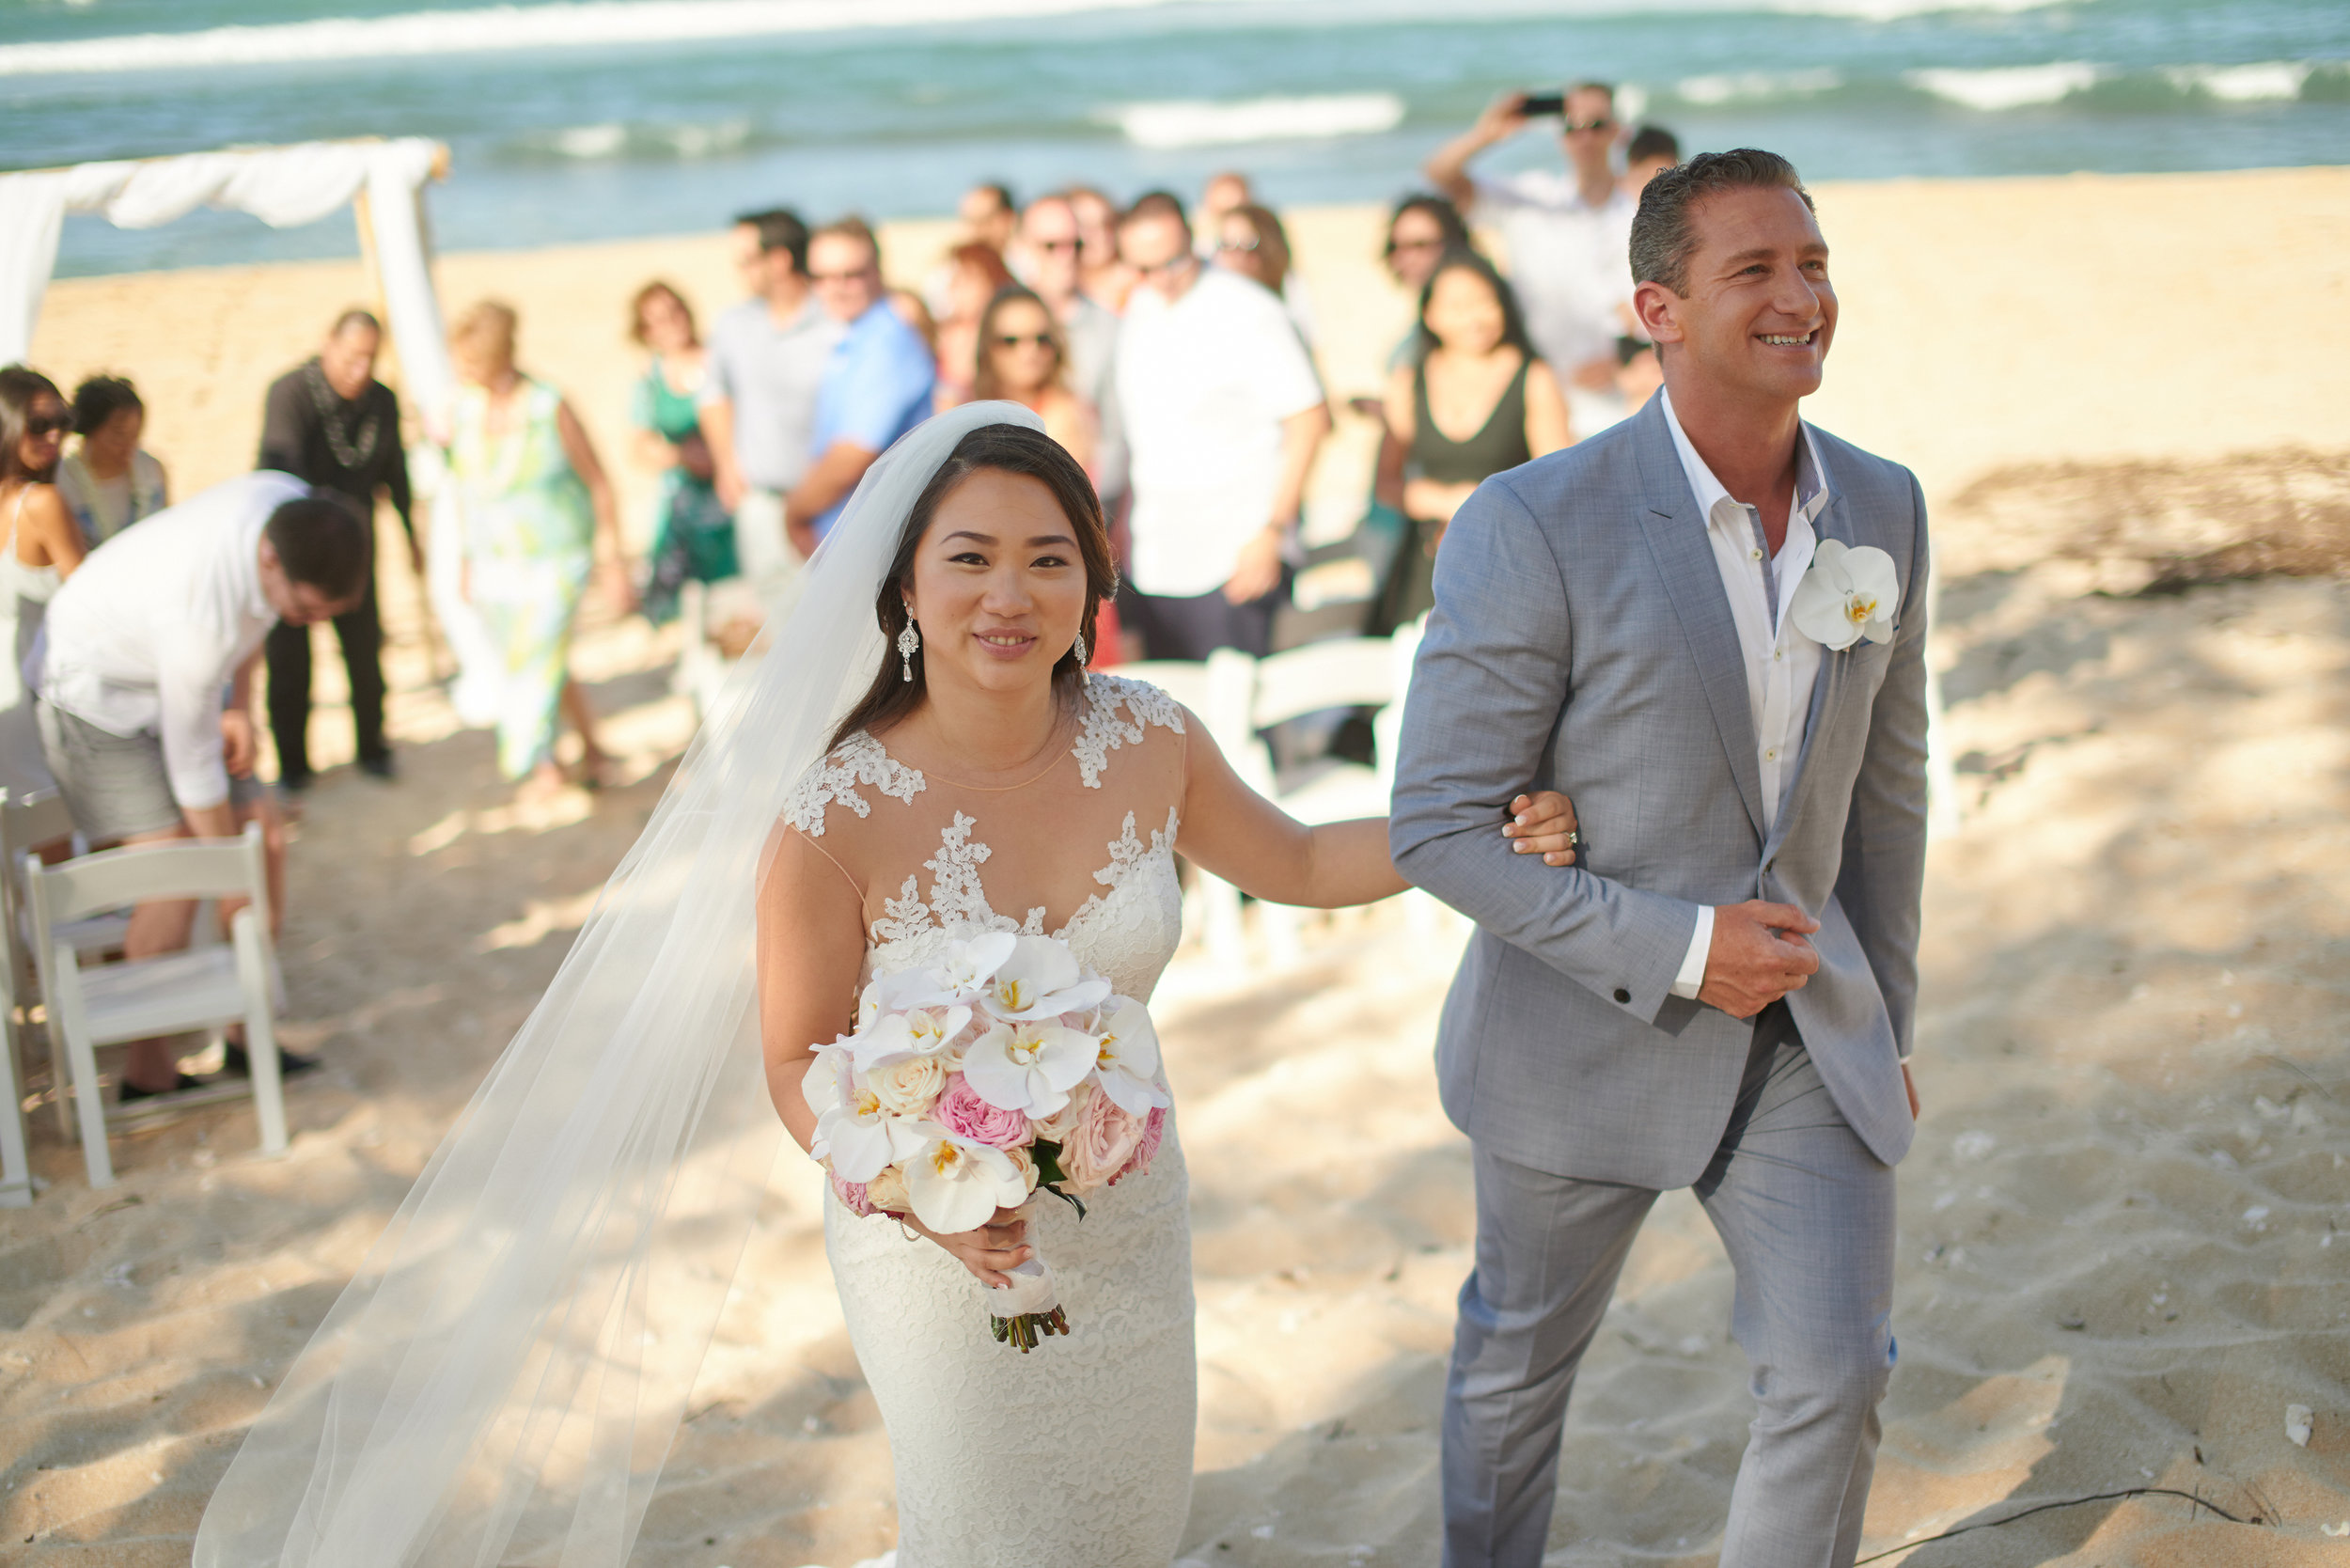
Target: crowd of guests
1170,350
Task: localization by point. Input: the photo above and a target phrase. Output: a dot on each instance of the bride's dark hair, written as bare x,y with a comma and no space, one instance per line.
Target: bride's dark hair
1010,449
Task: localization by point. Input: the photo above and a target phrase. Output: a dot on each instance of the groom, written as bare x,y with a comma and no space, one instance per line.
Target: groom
1720,995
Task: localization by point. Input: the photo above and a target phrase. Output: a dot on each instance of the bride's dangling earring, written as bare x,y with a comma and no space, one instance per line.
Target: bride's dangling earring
909,643
1083,674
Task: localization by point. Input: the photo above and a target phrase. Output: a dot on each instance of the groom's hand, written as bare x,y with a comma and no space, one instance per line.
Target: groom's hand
1759,955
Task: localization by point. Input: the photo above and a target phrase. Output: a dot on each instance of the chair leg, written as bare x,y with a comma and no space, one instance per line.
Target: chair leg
260,1033
89,1100
16,1166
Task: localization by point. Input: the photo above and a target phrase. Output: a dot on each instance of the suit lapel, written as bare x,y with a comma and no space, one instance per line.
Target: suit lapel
1693,583
1828,692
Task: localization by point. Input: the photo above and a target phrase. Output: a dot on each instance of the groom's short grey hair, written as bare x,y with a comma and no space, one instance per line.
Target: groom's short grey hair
1662,238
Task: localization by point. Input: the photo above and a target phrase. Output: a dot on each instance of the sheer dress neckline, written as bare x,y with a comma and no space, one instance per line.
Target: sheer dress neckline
1118,712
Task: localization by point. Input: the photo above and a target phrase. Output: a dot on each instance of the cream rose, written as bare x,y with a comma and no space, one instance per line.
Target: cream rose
909,1086
888,1191
1026,1162
1063,1123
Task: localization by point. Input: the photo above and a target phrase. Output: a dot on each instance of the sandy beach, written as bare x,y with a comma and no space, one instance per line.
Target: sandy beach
2126,1226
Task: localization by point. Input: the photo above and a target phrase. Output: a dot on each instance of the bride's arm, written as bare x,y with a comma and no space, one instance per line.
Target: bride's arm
811,946
1237,834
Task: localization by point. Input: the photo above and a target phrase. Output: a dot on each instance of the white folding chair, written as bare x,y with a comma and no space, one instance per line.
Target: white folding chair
27,823
1218,692
1345,672
202,988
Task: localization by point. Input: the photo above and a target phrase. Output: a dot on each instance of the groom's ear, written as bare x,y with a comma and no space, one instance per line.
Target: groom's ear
1659,309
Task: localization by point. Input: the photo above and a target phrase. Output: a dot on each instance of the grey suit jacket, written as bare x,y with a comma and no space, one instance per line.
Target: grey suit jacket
1582,641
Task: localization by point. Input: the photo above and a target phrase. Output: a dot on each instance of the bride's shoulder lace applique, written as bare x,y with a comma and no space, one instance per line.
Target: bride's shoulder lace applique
857,761
956,897
1104,729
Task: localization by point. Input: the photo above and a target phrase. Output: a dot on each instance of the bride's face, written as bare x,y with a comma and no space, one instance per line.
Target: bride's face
999,586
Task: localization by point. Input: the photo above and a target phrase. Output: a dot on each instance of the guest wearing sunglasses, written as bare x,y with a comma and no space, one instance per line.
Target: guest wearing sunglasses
1251,241
1568,234
1421,230
975,274
1050,251
1223,413
1108,279
39,547
1022,361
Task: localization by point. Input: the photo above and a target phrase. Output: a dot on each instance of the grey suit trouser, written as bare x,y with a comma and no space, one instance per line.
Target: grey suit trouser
1807,1215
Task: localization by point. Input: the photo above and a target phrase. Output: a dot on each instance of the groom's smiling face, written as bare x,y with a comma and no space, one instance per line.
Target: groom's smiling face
1761,312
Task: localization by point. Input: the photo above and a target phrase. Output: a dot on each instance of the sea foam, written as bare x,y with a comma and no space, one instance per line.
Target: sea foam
1201,123
2006,87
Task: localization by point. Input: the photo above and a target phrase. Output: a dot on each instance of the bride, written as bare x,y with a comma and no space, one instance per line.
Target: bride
920,754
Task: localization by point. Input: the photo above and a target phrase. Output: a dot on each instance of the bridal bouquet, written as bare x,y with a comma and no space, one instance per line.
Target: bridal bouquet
1006,1067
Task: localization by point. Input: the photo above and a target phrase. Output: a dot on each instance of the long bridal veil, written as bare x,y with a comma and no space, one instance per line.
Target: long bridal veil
504,1376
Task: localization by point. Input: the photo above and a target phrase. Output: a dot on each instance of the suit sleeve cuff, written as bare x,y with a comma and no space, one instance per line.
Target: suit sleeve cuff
1692,976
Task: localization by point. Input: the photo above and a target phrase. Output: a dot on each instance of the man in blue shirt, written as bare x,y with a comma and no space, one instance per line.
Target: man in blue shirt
878,384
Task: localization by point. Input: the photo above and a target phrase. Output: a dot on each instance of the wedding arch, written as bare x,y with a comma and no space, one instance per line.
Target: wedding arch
382,181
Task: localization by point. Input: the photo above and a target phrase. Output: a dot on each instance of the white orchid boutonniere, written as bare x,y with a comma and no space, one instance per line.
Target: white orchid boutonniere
1851,592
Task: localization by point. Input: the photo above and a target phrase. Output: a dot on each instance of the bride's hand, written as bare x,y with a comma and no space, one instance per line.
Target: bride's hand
1542,824
986,1251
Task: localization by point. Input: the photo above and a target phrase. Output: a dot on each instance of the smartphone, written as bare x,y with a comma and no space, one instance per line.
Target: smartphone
1543,103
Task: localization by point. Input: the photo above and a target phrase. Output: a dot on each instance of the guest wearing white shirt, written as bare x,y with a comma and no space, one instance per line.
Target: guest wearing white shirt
1223,415
1568,238
112,481
138,647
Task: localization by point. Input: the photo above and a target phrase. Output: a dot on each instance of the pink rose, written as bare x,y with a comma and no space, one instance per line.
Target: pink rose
1154,1129
852,1197
960,1111
1098,1147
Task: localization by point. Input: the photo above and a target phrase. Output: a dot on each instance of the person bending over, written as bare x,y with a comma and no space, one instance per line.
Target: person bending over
140,645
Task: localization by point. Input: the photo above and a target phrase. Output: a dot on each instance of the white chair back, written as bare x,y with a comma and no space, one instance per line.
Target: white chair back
187,869
1344,673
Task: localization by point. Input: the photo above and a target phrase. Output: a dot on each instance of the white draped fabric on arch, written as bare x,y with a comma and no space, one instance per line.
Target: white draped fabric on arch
284,187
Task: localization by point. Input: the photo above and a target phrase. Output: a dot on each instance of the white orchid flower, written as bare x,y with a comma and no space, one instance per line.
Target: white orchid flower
852,1131
1028,1065
958,1185
917,1031
1041,979
1126,1059
968,966
1851,592
897,991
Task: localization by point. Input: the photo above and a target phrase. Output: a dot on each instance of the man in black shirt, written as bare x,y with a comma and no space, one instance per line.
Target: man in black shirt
331,422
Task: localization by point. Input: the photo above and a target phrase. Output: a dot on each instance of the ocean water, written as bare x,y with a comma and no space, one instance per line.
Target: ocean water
602,118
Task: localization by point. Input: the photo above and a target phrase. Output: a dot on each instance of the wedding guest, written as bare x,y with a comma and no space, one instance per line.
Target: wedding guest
986,215
1108,279
1052,254
693,536
1568,238
1223,415
141,644
1251,241
1226,191
330,422
538,519
1022,360
1420,231
879,381
975,273
112,481
39,548
757,401
1651,150
1477,375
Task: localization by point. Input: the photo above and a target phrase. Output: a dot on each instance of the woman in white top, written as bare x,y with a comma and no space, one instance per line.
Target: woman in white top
110,484
39,547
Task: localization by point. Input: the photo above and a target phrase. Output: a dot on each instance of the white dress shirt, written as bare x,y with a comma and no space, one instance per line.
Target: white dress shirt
1569,262
146,633
1781,664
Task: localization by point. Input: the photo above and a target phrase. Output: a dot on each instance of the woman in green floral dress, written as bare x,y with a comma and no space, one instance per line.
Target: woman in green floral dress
538,520
693,533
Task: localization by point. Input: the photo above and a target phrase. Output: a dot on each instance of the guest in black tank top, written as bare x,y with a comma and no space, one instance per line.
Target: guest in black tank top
1477,376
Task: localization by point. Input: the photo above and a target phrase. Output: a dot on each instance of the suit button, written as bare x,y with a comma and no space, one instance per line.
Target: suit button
1622,995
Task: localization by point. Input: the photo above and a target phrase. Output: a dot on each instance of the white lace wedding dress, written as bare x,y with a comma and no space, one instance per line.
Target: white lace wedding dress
1077,1455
